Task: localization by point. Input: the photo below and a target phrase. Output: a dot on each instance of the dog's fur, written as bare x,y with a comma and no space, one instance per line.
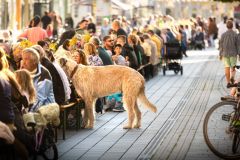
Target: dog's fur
92,82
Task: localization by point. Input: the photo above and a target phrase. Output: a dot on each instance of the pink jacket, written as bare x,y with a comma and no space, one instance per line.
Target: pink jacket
34,34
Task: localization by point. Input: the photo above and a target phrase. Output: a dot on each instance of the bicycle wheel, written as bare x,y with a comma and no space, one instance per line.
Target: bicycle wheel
218,131
236,141
51,153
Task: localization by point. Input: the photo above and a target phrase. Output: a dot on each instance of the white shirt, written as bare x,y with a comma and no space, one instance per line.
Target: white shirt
64,79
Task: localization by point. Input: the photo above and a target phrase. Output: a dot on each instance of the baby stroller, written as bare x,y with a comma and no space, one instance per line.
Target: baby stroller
172,58
45,145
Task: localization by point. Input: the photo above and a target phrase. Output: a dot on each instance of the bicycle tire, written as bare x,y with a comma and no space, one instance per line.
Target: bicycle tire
55,153
206,133
49,149
236,140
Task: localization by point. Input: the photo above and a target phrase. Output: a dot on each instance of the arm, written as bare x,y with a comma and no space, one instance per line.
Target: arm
6,134
45,94
23,35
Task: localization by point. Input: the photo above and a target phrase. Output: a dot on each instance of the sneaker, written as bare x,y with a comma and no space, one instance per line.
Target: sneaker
118,107
110,105
108,109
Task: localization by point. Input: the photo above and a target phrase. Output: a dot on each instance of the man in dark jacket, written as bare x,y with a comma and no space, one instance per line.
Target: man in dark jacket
116,26
46,20
101,51
58,88
128,52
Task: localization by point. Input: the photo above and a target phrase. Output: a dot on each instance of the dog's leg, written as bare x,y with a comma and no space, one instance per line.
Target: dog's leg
138,116
129,104
85,115
90,115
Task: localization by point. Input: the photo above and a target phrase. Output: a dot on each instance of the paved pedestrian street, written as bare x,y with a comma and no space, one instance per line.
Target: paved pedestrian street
174,132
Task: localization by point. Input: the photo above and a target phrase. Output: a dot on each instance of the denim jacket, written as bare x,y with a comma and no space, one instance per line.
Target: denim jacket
44,88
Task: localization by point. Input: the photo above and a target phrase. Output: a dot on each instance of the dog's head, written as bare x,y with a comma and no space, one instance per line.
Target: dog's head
67,65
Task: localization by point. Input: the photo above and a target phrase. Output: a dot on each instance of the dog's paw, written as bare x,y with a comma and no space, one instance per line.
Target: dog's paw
89,127
137,126
127,127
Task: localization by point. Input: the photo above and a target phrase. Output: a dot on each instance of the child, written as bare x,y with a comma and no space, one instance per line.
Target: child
118,58
26,85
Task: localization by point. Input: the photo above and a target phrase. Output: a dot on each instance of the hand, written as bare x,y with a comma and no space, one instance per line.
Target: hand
220,57
5,133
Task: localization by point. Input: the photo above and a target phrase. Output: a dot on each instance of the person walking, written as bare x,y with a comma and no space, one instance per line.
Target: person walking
35,33
228,47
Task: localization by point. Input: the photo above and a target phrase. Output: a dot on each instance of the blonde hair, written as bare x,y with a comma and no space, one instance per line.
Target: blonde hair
25,81
90,49
6,73
33,54
3,60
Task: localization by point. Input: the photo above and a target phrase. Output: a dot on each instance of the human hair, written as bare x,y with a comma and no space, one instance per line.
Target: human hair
82,21
42,43
66,44
35,21
151,32
33,55
66,35
133,38
105,38
3,60
49,55
95,40
229,24
82,56
117,23
106,20
146,36
117,45
6,74
122,37
90,49
25,82
39,49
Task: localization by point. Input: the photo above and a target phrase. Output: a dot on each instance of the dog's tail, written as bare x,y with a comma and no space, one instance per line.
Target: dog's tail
142,97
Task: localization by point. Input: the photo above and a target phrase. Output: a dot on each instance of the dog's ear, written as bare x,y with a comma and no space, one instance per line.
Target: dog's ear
62,61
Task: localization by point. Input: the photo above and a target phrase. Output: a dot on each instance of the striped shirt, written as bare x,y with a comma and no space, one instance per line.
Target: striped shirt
228,44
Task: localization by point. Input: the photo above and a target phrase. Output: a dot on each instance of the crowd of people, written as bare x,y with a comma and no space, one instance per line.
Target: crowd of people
31,77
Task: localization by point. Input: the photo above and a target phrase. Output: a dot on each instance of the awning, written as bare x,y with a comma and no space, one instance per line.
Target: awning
120,5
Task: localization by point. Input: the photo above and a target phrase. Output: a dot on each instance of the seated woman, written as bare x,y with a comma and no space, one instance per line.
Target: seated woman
8,113
27,89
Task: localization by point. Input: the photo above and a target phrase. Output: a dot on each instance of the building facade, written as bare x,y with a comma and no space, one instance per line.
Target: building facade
16,14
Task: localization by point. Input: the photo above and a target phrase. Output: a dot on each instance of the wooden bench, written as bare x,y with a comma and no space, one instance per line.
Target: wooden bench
63,115
143,66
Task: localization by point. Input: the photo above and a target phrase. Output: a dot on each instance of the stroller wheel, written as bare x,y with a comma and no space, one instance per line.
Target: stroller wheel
164,70
181,68
176,71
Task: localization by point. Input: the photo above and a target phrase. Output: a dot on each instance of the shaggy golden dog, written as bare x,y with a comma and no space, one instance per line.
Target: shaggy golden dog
92,82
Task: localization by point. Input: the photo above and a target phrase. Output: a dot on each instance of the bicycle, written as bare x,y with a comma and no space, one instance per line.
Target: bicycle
221,127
